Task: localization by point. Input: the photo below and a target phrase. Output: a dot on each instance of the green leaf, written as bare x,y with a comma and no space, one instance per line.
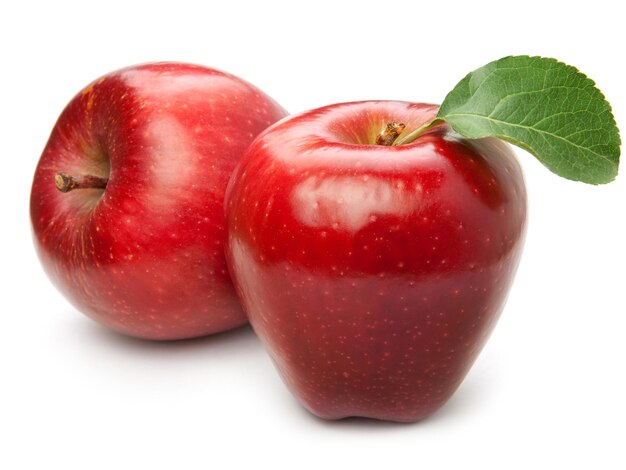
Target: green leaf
543,106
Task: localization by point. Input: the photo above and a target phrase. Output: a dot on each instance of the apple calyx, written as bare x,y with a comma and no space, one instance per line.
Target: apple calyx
390,133
66,183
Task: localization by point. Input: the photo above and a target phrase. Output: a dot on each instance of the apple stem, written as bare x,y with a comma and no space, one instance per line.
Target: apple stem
66,183
390,133
411,136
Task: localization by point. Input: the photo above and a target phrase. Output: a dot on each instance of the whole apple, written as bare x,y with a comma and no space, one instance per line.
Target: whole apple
374,273
127,199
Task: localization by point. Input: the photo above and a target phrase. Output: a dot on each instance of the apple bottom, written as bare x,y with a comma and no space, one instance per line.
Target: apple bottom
391,348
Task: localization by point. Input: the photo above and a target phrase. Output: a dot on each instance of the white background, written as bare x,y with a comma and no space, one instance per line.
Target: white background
547,391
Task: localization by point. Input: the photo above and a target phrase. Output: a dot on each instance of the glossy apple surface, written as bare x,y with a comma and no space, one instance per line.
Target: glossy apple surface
144,255
373,274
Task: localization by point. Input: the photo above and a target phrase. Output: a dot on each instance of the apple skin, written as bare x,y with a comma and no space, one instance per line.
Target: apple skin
373,274
145,256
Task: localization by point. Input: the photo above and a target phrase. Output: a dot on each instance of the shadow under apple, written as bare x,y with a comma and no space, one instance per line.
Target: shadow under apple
230,345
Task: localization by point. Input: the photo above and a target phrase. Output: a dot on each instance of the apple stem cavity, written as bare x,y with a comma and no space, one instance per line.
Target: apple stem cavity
413,135
390,133
66,183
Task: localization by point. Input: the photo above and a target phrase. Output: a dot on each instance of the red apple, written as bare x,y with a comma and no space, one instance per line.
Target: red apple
373,274
144,155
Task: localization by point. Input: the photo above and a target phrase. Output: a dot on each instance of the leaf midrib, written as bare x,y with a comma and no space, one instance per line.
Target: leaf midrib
530,128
